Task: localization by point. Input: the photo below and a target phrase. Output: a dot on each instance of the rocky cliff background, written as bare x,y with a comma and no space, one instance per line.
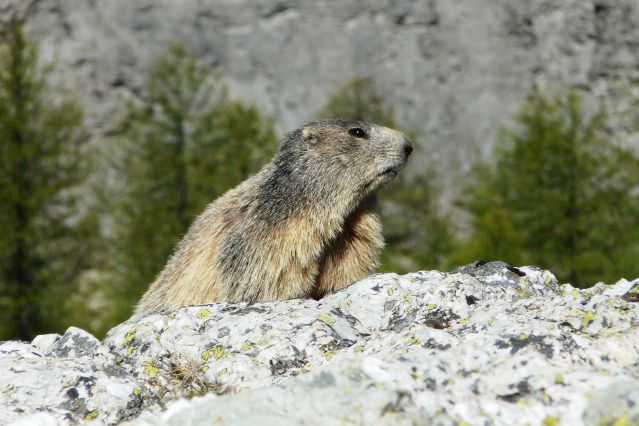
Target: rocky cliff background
456,71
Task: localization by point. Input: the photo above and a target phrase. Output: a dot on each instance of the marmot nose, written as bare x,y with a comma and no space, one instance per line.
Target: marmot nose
408,147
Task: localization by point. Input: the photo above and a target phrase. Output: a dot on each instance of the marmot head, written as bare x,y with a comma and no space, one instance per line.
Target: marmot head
351,155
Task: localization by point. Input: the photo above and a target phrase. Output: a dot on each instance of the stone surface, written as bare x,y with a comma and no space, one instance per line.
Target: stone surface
456,71
485,344
71,380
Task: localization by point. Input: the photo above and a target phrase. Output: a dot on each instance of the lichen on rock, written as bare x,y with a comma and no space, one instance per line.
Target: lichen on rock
484,344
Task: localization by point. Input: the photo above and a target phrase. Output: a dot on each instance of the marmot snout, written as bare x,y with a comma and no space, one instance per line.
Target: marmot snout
303,226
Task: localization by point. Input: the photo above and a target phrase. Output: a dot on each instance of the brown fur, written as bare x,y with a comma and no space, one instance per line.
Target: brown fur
303,226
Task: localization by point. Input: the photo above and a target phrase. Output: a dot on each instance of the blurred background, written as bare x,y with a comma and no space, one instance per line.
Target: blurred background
120,120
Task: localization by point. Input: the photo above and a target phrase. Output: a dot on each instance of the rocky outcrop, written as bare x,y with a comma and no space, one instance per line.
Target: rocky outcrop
486,344
66,379
455,71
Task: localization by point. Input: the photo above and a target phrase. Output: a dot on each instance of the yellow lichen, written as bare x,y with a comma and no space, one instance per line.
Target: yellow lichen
559,379
524,403
136,391
150,369
326,318
129,351
621,421
431,307
359,348
223,372
522,336
246,346
550,421
203,313
589,316
91,415
407,298
389,291
129,337
218,352
414,341
329,354
464,321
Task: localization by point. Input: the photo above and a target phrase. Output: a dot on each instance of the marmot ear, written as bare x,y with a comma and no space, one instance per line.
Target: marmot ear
309,136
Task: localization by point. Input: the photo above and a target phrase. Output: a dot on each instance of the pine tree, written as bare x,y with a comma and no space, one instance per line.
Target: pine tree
359,99
184,146
417,233
41,231
560,196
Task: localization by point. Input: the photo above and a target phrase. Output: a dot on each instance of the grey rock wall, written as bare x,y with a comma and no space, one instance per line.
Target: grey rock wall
455,70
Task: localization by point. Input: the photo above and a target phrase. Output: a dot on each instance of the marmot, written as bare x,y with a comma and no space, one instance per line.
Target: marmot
303,226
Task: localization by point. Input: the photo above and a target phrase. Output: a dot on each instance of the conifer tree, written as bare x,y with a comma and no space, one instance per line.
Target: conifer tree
560,196
41,231
417,234
184,146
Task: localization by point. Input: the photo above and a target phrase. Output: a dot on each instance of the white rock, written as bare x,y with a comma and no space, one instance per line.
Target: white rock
39,419
485,344
44,342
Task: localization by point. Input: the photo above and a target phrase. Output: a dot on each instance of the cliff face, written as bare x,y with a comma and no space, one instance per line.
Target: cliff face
485,344
455,70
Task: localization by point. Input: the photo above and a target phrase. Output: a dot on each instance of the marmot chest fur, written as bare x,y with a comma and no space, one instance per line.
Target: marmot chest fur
303,226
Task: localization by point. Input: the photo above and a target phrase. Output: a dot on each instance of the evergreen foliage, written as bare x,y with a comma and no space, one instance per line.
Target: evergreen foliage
43,239
560,196
184,146
417,234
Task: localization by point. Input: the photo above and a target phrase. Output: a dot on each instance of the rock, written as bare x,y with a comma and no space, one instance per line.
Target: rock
454,71
75,343
76,379
485,344
44,342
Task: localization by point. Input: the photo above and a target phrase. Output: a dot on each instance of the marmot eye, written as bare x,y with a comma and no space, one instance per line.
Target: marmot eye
358,133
